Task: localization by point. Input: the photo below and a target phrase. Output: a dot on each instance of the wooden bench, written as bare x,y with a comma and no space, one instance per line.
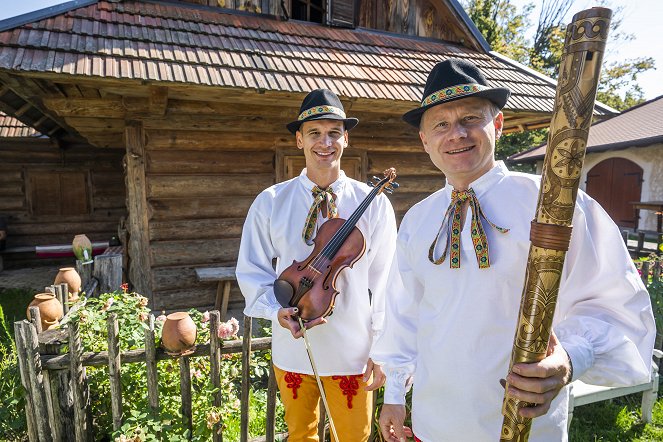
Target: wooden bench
583,394
224,276
10,250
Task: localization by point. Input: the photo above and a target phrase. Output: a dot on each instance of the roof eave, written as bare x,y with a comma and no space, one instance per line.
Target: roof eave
42,14
642,142
607,110
467,21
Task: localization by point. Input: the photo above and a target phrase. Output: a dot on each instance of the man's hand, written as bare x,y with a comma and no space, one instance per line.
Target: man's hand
378,376
539,383
392,418
288,319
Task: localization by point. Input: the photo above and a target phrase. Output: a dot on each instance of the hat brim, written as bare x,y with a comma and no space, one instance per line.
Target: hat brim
349,123
498,96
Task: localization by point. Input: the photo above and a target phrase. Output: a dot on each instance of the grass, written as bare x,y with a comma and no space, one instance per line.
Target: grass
617,420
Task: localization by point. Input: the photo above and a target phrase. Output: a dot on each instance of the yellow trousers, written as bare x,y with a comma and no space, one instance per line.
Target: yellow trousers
350,406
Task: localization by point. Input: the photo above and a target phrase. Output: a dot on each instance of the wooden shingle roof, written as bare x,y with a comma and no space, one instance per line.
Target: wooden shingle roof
10,127
160,42
639,126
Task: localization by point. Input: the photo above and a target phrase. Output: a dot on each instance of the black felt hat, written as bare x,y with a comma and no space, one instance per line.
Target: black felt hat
321,104
451,80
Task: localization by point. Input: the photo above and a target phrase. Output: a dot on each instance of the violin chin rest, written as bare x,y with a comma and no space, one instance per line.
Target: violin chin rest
284,292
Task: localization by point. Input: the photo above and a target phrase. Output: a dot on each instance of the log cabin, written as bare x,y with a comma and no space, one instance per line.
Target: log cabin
195,95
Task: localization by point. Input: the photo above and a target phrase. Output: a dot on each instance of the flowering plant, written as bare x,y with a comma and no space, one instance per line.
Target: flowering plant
139,425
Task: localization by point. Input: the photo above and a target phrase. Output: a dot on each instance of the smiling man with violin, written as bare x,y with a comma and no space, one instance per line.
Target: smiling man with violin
333,239
450,329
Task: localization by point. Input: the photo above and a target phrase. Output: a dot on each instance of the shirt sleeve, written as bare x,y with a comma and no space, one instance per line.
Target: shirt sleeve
395,348
606,324
381,255
255,274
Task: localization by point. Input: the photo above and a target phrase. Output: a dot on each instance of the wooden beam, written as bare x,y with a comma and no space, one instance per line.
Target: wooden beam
158,100
140,271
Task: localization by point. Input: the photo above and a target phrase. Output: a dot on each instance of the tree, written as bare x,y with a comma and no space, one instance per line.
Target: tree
501,25
623,76
546,52
504,28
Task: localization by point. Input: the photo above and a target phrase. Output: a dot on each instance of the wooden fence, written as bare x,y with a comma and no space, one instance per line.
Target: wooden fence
57,405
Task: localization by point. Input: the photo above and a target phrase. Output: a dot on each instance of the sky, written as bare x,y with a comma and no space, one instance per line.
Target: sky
640,18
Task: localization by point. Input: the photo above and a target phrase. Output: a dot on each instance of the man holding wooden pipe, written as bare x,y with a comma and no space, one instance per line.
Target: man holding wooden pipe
453,301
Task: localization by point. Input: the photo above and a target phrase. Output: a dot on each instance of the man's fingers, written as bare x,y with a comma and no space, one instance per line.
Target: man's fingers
378,381
526,396
314,322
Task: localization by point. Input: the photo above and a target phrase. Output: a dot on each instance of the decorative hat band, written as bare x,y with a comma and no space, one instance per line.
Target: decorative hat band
453,92
321,110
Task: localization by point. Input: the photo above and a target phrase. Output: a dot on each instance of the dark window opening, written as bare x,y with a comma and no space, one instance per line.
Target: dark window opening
308,10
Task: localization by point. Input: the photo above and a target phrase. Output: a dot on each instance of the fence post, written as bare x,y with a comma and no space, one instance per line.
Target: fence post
644,273
641,242
84,269
114,370
32,379
108,270
215,370
246,382
82,430
185,392
271,406
57,381
151,363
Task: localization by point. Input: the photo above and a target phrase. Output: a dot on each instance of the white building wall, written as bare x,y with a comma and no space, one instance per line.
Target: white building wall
650,158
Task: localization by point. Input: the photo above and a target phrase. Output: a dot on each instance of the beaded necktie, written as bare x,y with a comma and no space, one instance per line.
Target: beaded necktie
452,233
324,201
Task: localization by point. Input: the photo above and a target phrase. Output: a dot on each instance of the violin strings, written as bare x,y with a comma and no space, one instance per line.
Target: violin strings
338,237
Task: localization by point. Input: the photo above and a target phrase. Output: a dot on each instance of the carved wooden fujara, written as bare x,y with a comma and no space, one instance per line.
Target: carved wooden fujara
550,235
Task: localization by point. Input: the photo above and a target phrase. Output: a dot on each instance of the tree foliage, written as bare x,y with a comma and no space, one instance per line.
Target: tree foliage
505,29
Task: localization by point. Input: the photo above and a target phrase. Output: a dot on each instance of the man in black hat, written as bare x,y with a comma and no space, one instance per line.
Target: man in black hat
453,301
281,224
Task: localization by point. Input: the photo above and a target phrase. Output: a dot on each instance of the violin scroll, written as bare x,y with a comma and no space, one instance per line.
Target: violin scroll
385,184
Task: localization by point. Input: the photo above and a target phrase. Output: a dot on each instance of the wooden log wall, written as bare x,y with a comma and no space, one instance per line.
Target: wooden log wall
204,171
423,18
21,158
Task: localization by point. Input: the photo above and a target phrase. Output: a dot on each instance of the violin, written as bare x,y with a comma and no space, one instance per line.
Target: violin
310,285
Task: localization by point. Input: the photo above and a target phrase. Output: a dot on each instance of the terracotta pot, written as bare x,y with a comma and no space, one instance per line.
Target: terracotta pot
73,280
179,332
82,248
50,309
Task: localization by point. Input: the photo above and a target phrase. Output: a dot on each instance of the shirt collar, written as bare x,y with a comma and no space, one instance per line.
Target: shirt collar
485,182
336,185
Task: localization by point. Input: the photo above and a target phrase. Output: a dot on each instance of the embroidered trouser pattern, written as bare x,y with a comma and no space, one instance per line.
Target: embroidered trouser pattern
350,405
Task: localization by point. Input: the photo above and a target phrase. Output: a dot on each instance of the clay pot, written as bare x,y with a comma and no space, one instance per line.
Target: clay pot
179,333
73,280
50,309
82,247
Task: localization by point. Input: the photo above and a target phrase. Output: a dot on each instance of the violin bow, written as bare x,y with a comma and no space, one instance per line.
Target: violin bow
317,378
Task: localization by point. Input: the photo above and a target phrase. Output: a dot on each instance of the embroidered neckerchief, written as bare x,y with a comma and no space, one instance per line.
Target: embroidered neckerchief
451,228
324,201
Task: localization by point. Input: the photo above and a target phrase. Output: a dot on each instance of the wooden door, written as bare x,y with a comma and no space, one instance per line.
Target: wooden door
615,183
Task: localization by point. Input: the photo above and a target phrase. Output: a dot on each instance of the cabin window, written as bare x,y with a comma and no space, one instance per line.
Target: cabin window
340,13
308,10
58,193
